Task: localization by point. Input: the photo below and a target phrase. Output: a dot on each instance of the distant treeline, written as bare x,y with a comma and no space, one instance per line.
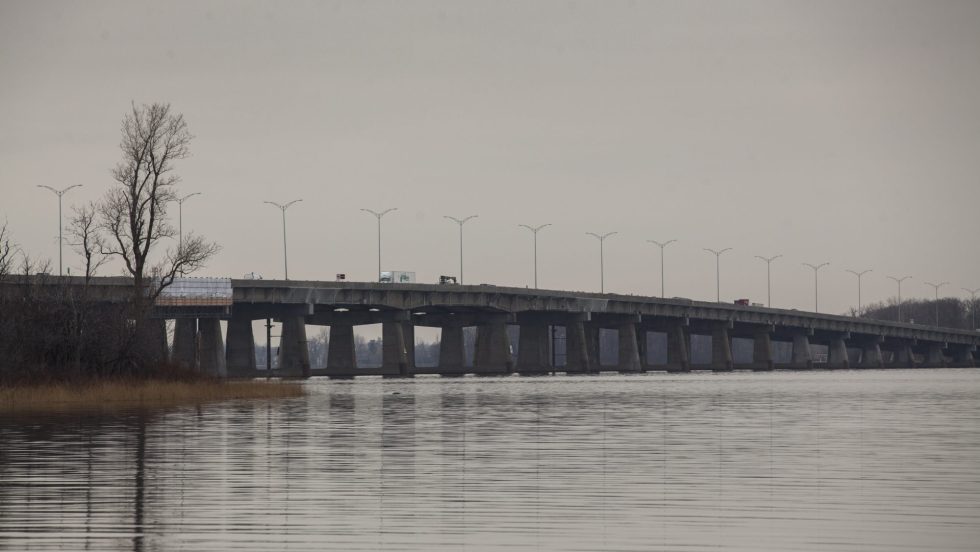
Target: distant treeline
952,312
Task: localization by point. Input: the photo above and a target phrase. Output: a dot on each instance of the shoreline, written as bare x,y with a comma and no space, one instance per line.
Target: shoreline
129,394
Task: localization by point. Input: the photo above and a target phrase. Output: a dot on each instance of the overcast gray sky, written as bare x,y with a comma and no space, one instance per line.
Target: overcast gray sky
846,132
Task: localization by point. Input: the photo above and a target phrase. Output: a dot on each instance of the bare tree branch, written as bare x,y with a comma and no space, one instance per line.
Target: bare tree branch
83,231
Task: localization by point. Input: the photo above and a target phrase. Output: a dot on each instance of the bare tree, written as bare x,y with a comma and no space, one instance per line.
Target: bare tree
83,231
7,251
134,213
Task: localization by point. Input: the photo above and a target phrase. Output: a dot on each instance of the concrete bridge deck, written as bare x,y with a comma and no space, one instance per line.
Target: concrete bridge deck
399,308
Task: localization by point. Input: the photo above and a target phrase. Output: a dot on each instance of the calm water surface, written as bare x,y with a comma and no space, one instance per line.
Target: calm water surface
860,460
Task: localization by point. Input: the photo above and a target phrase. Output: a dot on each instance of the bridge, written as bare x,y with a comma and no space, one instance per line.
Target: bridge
400,308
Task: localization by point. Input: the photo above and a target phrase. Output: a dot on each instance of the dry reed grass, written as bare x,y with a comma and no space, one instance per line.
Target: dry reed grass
124,394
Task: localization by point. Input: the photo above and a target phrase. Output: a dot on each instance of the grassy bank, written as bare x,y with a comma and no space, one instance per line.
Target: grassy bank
126,394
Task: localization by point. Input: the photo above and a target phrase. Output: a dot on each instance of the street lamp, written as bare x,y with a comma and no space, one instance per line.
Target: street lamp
180,219
816,286
602,262
973,305
662,245
534,230
936,287
460,222
61,240
769,261
717,269
859,274
899,282
285,263
378,216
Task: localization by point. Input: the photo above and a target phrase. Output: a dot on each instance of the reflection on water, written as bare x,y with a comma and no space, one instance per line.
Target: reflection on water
871,460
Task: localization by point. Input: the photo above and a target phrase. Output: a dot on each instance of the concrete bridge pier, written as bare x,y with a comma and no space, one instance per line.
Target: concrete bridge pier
341,358
762,350
532,349
240,352
678,348
837,352
185,343
593,345
452,361
212,348
903,357
577,359
963,356
871,353
492,348
629,350
398,349
802,355
721,349
294,356
934,356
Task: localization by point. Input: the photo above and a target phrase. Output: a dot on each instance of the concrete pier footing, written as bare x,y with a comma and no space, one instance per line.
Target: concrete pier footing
837,353
492,349
629,351
154,344
963,357
532,349
721,349
294,356
903,357
577,359
678,348
240,351
935,357
212,348
762,351
871,354
341,358
802,356
398,349
451,359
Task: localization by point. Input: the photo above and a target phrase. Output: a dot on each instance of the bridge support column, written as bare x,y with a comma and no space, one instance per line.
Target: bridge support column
398,349
837,353
240,352
762,350
492,349
935,357
802,356
594,346
294,356
678,348
532,349
963,357
871,354
629,351
341,358
212,350
721,349
903,357
451,358
185,343
577,360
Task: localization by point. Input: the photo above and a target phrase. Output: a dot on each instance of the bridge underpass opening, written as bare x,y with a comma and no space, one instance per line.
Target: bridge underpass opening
427,341
368,345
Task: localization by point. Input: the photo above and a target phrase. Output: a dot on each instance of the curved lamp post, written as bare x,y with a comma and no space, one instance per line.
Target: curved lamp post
859,275
717,254
768,261
816,284
283,207
534,230
460,222
61,240
180,218
899,282
661,245
935,288
602,268
378,216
